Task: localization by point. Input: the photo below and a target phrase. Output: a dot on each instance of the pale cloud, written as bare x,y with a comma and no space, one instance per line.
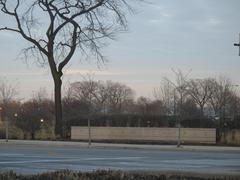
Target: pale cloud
156,6
154,21
72,72
166,15
68,72
3,74
163,16
207,25
213,22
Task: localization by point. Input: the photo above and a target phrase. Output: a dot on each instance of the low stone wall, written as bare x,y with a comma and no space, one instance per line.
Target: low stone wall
188,135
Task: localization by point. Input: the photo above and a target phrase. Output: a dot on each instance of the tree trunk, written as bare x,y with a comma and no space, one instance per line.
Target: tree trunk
58,107
32,135
201,110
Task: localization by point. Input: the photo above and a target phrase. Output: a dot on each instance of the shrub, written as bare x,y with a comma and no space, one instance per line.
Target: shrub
15,133
46,132
107,175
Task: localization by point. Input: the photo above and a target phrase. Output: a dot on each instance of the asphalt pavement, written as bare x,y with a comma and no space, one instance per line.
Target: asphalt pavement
30,157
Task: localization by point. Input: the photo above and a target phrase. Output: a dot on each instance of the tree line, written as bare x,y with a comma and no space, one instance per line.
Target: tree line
206,103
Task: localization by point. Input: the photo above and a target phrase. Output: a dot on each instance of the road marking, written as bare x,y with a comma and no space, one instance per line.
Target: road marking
204,162
113,158
11,154
69,160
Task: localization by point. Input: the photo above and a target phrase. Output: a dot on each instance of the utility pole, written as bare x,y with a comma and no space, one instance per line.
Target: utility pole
238,45
179,121
6,124
176,119
89,133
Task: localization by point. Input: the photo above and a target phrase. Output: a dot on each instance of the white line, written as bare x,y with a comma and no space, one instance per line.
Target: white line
113,158
34,161
11,154
68,160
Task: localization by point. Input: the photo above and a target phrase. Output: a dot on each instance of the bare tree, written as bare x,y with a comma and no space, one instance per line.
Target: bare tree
179,88
180,96
102,96
200,91
146,106
31,113
221,89
56,28
119,96
233,108
41,94
224,101
143,104
87,92
165,93
8,91
83,90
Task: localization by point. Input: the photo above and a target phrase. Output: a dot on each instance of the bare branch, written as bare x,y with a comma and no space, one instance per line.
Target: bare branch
9,29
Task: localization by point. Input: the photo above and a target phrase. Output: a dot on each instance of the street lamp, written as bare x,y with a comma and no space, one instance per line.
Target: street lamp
15,115
89,133
6,123
182,89
41,120
6,120
178,120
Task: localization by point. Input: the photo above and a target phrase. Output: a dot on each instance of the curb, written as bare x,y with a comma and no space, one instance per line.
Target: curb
219,149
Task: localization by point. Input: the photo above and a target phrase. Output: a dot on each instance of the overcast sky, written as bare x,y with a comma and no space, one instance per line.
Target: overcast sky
181,34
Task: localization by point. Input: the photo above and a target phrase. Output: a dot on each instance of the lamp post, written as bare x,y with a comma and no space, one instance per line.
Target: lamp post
6,126
42,128
179,134
177,120
181,93
89,133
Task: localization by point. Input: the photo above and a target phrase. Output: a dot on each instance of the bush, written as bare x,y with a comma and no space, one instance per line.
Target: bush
106,175
46,132
13,132
2,132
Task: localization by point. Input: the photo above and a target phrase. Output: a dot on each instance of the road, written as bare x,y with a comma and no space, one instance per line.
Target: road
31,159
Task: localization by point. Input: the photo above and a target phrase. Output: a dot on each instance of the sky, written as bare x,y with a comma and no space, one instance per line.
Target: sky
190,35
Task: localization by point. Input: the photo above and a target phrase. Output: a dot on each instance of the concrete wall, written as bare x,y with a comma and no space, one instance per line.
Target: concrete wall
188,135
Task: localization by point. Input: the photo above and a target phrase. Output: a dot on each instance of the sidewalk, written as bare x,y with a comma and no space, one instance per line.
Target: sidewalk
197,148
